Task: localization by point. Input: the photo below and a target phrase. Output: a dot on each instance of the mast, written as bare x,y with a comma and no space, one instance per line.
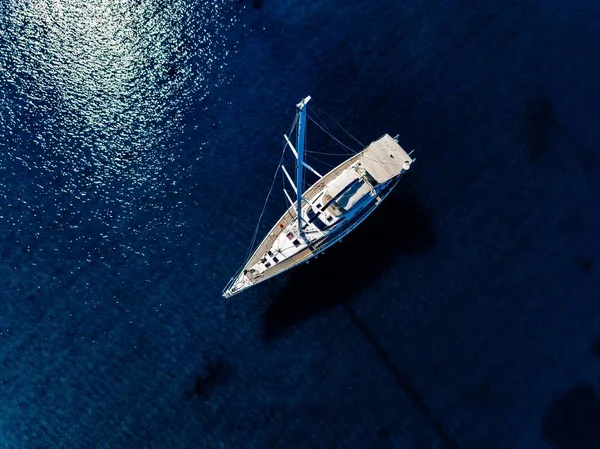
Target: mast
300,162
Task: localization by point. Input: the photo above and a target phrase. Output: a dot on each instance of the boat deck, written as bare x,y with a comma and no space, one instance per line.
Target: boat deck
377,153
288,218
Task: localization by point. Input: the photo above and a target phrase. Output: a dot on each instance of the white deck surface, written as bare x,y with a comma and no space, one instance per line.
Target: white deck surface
384,159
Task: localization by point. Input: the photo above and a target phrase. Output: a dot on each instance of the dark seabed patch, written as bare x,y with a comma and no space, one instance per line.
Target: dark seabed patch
383,433
586,264
573,420
541,123
211,373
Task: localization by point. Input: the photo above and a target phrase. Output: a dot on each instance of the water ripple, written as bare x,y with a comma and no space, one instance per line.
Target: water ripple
93,97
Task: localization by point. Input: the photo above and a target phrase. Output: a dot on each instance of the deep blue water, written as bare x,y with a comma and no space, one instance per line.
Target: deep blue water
137,144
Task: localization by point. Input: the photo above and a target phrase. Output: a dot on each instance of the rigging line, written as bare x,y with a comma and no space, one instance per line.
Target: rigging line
328,154
283,184
344,129
250,248
333,137
323,123
320,119
294,123
346,154
322,162
249,253
328,131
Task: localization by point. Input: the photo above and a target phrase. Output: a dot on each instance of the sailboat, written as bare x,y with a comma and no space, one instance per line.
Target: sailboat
325,212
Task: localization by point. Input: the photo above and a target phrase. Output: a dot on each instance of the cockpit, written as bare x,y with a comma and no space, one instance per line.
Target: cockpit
347,191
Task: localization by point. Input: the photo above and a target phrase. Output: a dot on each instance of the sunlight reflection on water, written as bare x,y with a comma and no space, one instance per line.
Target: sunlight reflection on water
93,96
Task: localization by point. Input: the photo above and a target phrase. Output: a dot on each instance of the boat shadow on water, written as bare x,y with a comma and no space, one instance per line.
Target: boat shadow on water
402,225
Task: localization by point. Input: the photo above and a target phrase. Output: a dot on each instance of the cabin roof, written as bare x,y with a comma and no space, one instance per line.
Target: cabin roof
384,159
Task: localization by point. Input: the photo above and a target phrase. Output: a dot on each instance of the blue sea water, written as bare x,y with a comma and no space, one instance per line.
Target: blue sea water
137,144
